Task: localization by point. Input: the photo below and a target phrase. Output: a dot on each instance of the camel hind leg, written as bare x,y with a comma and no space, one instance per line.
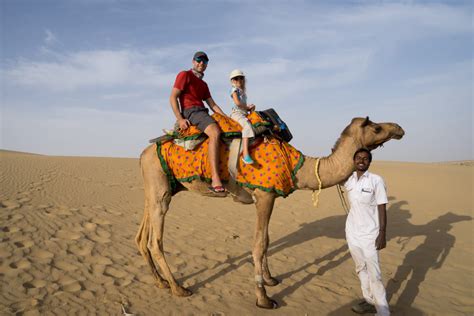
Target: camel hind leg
157,200
142,239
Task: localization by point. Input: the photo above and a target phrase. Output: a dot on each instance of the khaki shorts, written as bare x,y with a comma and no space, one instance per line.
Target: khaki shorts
198,116
247,130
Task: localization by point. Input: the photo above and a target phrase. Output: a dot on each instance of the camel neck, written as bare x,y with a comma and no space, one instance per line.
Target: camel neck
333,169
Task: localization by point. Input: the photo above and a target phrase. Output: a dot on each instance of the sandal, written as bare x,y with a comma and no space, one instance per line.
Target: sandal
218,190
247,160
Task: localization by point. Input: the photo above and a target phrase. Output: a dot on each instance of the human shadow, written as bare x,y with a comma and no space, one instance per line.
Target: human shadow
430,255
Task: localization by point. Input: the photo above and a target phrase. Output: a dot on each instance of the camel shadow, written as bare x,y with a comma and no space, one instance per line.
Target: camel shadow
332,227
431,254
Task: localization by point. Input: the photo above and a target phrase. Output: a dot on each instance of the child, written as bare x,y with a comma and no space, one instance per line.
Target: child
240,111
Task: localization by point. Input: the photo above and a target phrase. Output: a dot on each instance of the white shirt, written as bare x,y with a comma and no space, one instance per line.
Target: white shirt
242,98
364,195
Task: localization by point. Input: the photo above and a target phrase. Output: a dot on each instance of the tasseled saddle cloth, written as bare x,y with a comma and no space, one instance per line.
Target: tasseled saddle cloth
276,161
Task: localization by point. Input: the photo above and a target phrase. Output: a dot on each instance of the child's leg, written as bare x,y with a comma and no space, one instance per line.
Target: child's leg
245,146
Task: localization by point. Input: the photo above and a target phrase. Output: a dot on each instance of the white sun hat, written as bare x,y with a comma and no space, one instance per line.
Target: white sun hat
236,73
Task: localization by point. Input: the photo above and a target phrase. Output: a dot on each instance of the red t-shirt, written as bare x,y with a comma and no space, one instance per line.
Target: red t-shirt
193,90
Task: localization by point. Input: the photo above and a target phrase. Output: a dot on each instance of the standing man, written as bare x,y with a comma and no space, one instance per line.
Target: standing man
365,232
189,92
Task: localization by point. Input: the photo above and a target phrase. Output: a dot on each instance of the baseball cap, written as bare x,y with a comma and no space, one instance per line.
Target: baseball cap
236,73
201,55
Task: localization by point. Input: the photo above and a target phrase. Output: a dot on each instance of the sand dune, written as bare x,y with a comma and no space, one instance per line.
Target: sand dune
68,226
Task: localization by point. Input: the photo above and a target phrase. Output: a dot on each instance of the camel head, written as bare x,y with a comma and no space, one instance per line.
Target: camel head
372,135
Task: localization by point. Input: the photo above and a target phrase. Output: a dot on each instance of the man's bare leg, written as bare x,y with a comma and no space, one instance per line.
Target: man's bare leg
213,132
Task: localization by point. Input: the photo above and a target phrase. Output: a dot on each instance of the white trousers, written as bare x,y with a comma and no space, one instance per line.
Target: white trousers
367,266
247,130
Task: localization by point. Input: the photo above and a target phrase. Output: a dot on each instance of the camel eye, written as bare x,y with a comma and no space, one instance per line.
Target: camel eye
378,129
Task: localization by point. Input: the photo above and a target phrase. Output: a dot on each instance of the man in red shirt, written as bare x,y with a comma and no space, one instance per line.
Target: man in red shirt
189,92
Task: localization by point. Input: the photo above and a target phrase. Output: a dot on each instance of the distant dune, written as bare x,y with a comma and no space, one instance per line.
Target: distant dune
68,226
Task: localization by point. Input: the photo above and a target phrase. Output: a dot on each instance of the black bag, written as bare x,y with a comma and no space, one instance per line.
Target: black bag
279,127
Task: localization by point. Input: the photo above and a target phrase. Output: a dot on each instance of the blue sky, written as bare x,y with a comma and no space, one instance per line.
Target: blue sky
93,77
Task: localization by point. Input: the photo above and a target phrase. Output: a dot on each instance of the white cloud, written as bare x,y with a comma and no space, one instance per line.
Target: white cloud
50,38
100,68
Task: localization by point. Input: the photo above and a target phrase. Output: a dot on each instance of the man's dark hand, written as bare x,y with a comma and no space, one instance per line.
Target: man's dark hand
380,242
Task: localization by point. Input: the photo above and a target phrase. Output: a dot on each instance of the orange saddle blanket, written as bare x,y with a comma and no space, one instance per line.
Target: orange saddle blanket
276,162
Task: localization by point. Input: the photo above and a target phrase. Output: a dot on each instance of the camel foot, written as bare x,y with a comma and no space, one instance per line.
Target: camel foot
163,284
271,282
267,304
181,291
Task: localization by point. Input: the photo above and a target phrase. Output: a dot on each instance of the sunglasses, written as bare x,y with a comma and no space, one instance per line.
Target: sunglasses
201,60
238,78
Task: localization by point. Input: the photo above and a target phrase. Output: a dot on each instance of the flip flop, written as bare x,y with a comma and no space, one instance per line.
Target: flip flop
218,190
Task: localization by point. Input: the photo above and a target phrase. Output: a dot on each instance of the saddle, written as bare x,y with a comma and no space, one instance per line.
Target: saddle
266,122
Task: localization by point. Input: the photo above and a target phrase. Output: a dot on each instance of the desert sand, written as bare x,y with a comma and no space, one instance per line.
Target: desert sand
68,226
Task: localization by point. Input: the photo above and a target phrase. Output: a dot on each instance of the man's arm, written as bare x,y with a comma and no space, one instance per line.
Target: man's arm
381,242
183,123
214,107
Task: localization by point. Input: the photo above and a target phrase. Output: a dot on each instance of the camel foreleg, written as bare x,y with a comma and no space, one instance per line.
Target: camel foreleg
264,204
267,276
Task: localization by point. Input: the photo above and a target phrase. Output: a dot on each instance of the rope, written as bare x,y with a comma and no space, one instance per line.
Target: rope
343,200
320,184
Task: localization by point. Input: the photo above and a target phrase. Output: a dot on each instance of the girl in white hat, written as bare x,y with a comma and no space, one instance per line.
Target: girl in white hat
240,111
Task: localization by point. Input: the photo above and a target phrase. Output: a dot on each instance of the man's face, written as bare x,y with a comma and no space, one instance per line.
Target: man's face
200,65
361,161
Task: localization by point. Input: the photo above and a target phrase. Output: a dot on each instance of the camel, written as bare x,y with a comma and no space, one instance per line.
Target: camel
333,169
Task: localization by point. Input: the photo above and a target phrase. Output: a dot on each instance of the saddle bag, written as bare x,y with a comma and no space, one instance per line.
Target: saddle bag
278,126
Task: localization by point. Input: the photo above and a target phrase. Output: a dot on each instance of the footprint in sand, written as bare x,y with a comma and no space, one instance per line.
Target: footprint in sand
65,266
100,235
90,226
41,254
69,284
67,234
104,260
12,229
34,284
23,199
16,217
116,273
100,221
22,264
10,205
86,250
24,243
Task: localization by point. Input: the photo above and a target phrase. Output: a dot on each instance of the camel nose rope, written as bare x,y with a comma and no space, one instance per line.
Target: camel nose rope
343,200
320,184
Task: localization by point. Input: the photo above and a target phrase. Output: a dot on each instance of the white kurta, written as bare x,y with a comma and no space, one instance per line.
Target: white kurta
362,229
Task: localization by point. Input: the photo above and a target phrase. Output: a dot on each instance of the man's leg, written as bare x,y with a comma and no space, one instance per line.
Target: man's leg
361,270
213,132
375,279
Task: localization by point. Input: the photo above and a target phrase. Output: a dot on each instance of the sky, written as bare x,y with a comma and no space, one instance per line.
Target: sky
93,77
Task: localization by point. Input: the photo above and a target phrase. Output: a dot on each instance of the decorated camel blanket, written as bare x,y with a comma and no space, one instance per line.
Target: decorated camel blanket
276,162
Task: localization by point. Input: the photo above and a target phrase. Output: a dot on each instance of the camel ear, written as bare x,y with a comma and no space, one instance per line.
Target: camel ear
365,122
